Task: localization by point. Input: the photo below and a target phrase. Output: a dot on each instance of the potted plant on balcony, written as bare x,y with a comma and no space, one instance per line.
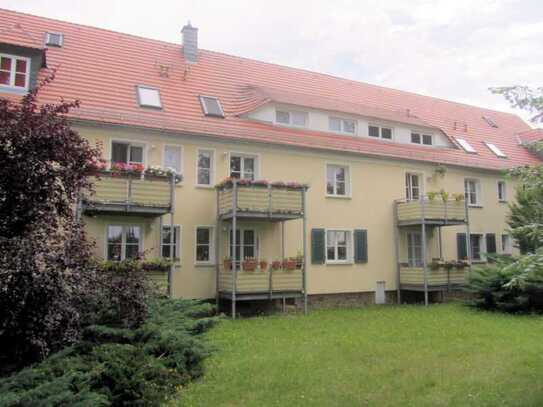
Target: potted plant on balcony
227,263
158,264
449,265
290,263
459,197
276,265
263,265
436,264
249,264
432,195
299,259
444,195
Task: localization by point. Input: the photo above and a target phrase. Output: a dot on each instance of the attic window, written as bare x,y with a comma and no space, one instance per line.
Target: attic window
490,122
495,150
466,146
211,106
149,97
54,39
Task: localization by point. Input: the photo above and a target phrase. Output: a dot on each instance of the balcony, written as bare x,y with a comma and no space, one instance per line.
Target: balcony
442,278
431,211
130,193
260,199
255,284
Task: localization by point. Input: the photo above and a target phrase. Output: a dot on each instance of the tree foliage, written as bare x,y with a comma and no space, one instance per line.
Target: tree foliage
45,262
524,97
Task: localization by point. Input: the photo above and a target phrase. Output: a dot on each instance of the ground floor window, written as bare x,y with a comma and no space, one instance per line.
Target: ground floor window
166,245
338,246
414,249
476,246
246,244
123,242
507,247
204,244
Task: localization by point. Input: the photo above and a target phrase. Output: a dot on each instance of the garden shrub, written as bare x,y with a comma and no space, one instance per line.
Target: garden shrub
119,366
509,284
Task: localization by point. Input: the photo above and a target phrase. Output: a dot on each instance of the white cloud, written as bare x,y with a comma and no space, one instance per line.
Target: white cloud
450,49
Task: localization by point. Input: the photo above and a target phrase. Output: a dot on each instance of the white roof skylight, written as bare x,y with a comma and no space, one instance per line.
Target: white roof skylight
466,146
490,122
495,150
54,39
211,106
148,97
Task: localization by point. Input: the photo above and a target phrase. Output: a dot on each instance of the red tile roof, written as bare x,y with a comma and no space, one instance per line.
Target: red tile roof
101,68
530,136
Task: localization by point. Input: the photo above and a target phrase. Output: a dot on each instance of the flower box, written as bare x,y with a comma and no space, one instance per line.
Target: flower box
249,265
290,264
263,265
276,265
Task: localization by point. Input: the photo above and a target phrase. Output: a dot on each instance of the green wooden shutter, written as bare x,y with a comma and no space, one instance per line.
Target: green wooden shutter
318,246
360,246
462,246
490,243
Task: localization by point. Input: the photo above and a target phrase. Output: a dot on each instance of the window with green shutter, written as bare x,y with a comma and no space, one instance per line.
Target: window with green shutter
461,245
360,246
318,255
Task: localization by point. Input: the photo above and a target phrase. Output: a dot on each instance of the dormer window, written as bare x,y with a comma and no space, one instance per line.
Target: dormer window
490,122
418,138
466,146
494,148
149,97
342,125
54,39
380,132
14,71
211,106
291,118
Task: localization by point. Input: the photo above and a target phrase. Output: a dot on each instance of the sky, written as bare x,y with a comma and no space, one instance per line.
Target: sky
451,49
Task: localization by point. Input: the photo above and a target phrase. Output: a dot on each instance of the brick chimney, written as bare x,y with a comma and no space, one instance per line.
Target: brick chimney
190,43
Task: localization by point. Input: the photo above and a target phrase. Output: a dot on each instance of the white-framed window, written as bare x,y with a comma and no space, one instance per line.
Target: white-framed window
414,249
205,167
211,106
338,180
420,138
472,189
291,117
148,96
173,157
246,245
466,146
205,243
166,244
380,132
123,242
243,166
347,126
53,39
14,71
412,186
339,244
127,153
496,150
507,246
477,246
502,194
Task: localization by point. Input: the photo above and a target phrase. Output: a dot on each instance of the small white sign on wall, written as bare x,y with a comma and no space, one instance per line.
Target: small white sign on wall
380,293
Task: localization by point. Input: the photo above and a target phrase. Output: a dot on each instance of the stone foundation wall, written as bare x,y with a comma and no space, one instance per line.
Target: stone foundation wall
344,300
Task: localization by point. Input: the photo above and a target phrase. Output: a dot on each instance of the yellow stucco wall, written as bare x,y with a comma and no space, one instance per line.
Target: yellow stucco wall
375,184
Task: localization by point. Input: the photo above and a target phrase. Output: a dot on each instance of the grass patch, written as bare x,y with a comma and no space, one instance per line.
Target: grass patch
446,355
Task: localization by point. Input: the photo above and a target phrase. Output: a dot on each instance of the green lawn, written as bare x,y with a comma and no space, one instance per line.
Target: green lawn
446,355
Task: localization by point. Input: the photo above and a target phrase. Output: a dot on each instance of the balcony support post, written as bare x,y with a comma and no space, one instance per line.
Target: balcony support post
234,225
424,260
172,232
468,234
304,237
217,254
129,193
397,251
440,241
